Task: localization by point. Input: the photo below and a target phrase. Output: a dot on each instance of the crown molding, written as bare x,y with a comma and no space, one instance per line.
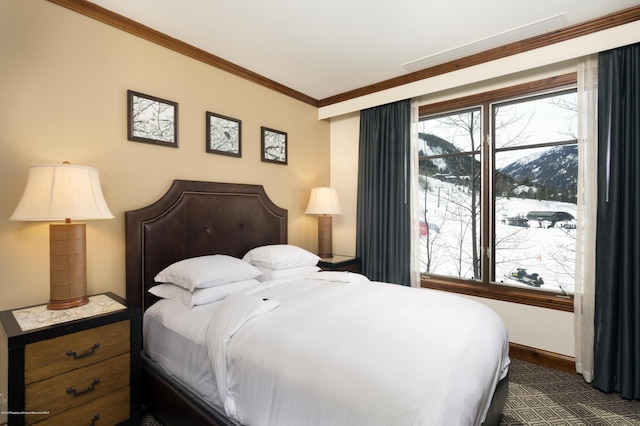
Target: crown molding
599,24
130,26
101,14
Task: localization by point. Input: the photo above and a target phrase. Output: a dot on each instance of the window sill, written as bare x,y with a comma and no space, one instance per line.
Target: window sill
505,294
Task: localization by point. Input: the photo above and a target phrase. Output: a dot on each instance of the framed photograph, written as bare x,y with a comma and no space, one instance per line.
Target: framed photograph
152,120
224,135
274,146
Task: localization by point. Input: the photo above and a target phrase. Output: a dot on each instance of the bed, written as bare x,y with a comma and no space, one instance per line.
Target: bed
248,355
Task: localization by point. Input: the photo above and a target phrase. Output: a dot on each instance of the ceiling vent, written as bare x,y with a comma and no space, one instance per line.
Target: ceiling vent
523,32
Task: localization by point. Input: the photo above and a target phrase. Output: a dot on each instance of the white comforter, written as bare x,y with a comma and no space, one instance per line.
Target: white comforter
313,352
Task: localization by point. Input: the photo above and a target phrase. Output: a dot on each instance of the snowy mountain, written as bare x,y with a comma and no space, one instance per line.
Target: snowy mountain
554,171
550,174
455,166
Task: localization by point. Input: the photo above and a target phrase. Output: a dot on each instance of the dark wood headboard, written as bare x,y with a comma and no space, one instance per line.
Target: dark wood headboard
194,219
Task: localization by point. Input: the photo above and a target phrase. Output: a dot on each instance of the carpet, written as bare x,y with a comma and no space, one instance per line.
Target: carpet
542,396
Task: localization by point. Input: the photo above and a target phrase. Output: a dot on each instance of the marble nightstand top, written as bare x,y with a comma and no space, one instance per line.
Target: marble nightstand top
40,316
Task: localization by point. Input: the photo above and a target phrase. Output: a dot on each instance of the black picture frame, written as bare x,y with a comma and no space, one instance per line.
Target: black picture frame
151,119
273,144
224,135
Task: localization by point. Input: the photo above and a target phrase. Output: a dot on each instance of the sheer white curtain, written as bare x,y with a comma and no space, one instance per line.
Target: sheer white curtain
584,299
415,221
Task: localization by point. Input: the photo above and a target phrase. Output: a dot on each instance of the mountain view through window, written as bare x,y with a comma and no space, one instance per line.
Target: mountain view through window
503,199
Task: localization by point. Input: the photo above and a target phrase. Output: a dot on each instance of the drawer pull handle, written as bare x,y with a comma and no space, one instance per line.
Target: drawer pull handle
89,389
91,352
95,418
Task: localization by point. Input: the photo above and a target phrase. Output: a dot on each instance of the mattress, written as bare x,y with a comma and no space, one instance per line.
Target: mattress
326,350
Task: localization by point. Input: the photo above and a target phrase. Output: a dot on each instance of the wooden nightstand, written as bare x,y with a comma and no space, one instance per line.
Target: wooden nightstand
73,366
340,263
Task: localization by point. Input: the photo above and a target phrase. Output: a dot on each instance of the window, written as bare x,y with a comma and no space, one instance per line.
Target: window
498,184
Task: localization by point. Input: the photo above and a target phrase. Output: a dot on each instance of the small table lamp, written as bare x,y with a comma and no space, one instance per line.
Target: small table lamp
64,192
324,201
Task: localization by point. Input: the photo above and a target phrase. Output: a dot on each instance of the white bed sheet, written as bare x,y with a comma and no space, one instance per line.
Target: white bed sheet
174,338
337,353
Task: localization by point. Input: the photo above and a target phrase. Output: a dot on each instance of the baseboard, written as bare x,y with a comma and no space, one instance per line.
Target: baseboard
544,358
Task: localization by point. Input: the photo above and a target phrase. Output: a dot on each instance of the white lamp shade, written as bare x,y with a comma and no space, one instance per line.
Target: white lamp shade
62,191
324,200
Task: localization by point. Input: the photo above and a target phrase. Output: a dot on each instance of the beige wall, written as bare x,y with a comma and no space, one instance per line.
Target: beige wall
344,176
63,84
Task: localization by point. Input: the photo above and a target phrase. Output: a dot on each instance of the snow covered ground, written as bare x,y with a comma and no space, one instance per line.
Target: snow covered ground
447,249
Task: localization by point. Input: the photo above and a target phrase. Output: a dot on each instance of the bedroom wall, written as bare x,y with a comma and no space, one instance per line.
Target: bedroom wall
63,85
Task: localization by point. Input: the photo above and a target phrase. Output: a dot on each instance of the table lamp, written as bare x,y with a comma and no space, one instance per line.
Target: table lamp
57,192
324,202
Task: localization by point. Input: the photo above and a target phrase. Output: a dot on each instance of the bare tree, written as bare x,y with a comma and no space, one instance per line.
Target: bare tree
428,241
153,119
468,126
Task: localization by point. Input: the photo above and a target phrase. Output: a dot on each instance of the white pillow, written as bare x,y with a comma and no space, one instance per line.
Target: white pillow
278,274
207,271
200,296
280,256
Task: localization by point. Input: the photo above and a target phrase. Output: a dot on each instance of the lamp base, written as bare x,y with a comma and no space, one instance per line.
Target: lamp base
55,305
324,236
67,265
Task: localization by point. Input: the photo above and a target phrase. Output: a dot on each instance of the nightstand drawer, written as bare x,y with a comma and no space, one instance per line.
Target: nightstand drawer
68,390
109,410
61,354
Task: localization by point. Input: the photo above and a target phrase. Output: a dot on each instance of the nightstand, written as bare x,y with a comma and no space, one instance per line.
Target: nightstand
340,263
72,366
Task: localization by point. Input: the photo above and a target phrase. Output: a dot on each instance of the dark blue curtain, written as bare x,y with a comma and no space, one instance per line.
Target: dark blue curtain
617,306
383,236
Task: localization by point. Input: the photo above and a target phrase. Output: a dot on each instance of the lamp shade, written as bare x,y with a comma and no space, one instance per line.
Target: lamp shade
60,192
324,200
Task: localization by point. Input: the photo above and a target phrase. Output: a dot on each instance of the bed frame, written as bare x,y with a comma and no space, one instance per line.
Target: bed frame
193,219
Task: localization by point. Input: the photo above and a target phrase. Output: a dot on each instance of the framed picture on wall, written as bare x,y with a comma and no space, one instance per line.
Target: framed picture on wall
152,120
274,146
224,135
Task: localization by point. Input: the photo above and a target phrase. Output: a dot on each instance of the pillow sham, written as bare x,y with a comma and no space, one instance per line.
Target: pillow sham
200,296
280,256
278,274
207,271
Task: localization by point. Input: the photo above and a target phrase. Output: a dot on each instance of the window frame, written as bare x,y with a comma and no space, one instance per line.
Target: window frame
484,288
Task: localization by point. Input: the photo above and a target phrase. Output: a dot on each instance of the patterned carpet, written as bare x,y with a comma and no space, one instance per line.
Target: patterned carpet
540,396
148,420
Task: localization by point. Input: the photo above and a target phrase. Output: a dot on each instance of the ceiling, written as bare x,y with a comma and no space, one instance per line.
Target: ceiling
325,48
